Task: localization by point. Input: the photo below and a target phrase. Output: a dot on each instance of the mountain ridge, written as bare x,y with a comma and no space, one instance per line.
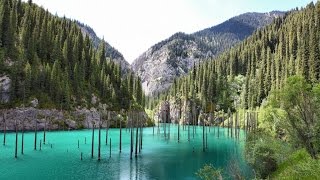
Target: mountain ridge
178,53
111,52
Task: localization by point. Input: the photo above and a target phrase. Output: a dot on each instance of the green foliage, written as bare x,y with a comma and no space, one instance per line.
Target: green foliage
272,120
298,165
53,62
301,103
264,152
208,172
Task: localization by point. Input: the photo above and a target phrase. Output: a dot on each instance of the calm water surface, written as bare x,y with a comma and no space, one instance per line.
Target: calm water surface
160,158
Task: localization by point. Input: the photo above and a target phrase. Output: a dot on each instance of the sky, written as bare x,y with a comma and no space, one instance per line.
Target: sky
133,26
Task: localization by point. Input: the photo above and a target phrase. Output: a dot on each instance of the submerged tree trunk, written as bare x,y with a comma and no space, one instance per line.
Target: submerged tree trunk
159,120
137,132
110,148
107,133
229,122
203,139
247,122
107,129
44,130
22,138
99,138
207,137
35,135
131,133
189,130
178,132
218,125
92,141
235,126
153,124
141,131
231,126
165,124
120,136
4,127
179,118
16,147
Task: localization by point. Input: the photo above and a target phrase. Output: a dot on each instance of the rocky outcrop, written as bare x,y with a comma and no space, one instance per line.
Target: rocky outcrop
55,119
175,56
184,112
161,64
5,84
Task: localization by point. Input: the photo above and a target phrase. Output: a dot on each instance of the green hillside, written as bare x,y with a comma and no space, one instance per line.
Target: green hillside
48,58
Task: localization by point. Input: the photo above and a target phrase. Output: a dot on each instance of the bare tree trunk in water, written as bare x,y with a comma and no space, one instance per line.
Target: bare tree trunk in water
92,141
137,132
120,136
22,138
4,127
16,147
35,133
203,139
44,130
99,138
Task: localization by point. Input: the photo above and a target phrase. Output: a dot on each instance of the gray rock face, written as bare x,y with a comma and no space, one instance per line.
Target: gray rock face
175,56
5,84
181,115
54,119
160,65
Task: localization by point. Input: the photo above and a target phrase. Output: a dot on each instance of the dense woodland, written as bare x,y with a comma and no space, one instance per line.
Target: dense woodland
49,58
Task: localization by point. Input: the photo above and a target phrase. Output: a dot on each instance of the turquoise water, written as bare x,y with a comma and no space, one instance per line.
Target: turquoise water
160,158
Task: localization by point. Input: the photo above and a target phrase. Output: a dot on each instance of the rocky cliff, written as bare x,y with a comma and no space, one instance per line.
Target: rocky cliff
52,119
175,56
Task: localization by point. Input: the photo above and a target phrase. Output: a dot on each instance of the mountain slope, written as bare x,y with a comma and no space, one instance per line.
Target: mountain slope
48,58
111,52
248,73
175,56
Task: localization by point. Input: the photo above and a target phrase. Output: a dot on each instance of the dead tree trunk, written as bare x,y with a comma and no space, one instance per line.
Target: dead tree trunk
231,125
131,134
235,126
141,131
99,138
229,114
92,141
203,139
218,125
4,127
153,124
22,138
120,136
35,134
16,147
136,150
44,130
158,120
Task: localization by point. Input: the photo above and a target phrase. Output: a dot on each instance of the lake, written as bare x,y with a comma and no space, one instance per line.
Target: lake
161,157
